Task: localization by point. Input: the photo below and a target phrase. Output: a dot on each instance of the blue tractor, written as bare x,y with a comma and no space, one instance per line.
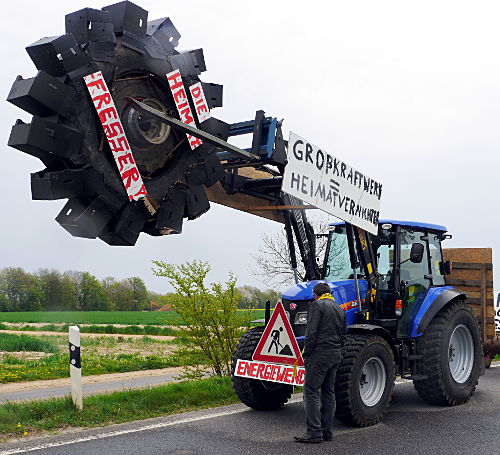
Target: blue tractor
402,320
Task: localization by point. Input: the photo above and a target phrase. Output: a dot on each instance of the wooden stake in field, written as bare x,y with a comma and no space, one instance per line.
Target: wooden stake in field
75,367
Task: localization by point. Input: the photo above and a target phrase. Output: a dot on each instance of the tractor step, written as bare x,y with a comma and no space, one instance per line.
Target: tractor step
415,377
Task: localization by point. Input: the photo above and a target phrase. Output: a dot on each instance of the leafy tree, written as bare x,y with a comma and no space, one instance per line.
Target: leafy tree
252,297
272,260
69,291
4,302
21,289
52,289
209,310
92,296
139,293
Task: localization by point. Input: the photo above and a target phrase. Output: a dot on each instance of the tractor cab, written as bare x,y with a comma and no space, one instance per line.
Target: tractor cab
409,264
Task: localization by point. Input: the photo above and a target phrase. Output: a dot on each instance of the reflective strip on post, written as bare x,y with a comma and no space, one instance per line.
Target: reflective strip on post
75,367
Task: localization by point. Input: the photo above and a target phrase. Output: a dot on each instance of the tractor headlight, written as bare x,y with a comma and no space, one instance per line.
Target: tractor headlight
301,318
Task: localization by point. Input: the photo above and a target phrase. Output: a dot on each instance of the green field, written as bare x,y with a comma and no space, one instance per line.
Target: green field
99,317
93,317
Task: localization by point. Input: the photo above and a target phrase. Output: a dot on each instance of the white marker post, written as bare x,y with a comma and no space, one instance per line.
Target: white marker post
75,367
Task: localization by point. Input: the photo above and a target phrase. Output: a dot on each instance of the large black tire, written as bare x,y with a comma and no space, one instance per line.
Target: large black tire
134,56
261,395
365,380
437,348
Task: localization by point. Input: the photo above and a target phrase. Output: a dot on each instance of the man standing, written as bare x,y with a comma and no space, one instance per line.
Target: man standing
325,333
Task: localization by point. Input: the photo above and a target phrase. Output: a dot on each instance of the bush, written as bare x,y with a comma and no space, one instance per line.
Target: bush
132,330
210,312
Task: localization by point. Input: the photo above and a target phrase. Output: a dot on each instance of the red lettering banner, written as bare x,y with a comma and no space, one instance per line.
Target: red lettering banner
200,102
263,371
179,93
113,128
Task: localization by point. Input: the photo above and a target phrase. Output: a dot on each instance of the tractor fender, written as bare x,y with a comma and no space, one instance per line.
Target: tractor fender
435,300
373,329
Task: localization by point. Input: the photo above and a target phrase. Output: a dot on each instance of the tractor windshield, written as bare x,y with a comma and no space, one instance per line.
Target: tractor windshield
338,264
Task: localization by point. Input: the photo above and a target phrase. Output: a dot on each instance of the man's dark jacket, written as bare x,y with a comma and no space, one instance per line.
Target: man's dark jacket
326,327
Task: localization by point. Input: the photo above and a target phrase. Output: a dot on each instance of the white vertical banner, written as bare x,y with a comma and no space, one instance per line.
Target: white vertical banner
75,367
200,102
113,128
183,108
497,314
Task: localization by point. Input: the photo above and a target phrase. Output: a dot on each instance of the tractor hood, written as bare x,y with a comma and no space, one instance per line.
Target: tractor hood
342,291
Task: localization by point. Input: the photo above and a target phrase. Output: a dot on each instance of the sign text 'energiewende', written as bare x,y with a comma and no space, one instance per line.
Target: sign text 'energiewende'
263,371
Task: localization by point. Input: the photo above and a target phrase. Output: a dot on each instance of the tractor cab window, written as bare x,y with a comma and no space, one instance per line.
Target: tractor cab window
384,251
413,274
436,258
338,263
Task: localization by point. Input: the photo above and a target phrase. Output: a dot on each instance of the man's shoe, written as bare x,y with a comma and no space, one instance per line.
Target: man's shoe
308,439
327,438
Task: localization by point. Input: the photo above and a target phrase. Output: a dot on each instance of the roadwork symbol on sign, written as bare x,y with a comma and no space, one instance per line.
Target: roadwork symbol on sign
278,343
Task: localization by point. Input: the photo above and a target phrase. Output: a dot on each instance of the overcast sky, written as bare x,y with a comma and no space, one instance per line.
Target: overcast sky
408,92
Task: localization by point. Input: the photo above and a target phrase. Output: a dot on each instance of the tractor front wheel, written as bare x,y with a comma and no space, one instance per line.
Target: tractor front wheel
365,380
262,395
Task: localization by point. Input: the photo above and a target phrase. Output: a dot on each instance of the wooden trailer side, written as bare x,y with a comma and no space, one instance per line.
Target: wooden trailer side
472,272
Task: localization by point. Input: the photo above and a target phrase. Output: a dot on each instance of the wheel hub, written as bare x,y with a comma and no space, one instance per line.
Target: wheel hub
372,381
461,353
142,130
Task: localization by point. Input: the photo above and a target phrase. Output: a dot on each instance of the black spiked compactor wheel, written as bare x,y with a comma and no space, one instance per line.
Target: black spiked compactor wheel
65,133
261,395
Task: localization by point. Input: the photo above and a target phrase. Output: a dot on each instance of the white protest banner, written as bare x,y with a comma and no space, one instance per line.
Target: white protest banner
200,102
113,129
283,374
181,101
320,179
497,314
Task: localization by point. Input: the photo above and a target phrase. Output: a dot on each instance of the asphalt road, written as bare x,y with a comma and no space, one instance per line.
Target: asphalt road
409,427
92,385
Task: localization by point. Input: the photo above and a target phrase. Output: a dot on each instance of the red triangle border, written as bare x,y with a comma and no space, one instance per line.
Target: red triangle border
279,310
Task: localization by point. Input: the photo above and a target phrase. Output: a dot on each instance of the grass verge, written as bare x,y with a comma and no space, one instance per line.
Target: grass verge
118,407
56,366
12,343
104,329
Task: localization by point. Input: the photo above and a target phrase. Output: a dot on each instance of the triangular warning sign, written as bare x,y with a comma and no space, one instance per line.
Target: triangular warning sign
278,343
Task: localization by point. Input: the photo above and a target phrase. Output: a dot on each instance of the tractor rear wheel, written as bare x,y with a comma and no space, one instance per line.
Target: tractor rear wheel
365,380
261,395
451,352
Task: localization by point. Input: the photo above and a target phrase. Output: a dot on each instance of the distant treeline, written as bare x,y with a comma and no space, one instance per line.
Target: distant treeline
51,290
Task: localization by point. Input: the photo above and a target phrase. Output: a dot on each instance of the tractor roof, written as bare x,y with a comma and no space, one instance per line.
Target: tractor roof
413,224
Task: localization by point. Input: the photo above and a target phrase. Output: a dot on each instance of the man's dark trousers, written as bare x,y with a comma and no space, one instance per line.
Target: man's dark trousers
319,392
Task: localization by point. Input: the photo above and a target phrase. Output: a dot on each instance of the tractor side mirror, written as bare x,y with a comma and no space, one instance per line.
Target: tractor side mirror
417,253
